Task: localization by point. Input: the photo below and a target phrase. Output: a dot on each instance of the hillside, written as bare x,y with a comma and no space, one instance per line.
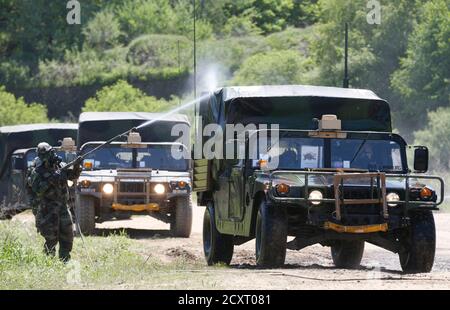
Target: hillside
148,45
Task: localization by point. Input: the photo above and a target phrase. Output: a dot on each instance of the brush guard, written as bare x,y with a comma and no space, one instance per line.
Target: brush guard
338,184
142,176
377,181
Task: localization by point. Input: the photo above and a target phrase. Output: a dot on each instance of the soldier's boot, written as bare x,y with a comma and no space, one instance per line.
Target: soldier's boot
64,254
50,246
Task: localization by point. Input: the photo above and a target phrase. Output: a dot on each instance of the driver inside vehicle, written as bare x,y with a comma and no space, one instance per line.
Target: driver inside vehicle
288,158
366,158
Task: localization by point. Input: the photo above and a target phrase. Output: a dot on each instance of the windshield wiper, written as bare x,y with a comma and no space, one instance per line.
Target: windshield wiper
358,150
283,134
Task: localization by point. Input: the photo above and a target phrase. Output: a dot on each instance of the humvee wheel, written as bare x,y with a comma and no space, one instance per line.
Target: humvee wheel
218,248
84,215
420,243
271,235
182,224
347,254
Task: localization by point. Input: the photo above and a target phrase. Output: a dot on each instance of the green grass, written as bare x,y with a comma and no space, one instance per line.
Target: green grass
97,263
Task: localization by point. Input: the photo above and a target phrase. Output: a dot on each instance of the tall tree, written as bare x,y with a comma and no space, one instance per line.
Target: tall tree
424,76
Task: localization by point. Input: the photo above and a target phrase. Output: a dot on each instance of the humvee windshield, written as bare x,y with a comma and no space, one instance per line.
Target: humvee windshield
151,156
314,153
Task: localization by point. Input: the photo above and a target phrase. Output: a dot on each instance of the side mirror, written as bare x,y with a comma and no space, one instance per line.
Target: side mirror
421,159
19,163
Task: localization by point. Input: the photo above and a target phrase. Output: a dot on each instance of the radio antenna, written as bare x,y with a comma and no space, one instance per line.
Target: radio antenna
346,78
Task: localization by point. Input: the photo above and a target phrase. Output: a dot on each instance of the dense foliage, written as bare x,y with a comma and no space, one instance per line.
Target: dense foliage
122,97
405,59
15,111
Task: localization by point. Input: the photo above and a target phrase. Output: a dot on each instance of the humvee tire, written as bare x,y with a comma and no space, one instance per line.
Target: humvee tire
420,244
182,224
84,215
271,235
347,254
217,247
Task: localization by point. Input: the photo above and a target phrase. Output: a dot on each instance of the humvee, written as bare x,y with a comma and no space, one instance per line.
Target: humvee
135,176
341,178
17,152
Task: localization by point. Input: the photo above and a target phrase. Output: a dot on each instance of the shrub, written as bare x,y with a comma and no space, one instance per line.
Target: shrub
14,74
144,17
15,111
238,26
122,97
102,32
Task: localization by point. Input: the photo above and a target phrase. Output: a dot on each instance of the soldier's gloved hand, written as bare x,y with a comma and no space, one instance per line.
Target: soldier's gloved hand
77,165
78,160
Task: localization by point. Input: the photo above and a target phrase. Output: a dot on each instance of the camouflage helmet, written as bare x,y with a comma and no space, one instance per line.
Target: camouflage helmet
43,150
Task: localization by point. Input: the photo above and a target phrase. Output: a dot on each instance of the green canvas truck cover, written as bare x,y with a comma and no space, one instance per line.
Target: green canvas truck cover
102,126
27,136
295,107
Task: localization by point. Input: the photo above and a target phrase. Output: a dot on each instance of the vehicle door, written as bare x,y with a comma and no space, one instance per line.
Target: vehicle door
223,192
237,186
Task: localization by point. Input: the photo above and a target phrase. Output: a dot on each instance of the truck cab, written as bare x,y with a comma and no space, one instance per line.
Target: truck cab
17,153
138,175
330,172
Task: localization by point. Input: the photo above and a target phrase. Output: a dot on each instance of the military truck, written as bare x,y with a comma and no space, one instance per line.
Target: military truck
17,152
340,178
135,176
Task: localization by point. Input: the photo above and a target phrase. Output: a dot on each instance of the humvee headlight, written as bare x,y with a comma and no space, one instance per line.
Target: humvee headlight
108,189
392,198
426,193
181,184
282,189
159,189
69,183
85,183
315,195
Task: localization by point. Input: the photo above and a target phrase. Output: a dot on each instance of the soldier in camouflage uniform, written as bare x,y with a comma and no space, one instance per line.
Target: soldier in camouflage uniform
49,197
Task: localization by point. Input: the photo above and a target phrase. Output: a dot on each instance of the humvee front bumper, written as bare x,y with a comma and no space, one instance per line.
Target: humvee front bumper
155,207
338,184
360,229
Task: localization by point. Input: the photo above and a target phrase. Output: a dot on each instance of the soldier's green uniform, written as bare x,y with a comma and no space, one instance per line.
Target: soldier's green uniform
49,197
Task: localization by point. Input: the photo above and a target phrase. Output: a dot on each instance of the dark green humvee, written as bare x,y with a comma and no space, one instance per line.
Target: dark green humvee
134,176
341,179
17,152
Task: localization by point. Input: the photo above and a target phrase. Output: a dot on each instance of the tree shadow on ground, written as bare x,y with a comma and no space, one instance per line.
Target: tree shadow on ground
135,233
315,266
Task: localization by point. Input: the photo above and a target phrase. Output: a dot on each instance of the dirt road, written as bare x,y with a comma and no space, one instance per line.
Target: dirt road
310,268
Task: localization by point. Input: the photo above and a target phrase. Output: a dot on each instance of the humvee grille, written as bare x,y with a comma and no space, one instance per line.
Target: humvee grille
132,187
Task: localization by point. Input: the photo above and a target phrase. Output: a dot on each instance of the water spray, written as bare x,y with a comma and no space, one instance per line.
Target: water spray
126,133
